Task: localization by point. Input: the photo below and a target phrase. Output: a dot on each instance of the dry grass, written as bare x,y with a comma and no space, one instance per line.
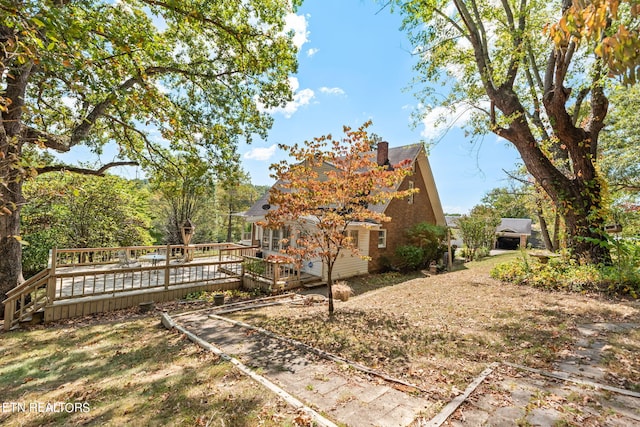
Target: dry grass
441,331
129,373
341,291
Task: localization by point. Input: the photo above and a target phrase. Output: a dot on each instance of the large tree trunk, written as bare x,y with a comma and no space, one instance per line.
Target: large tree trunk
574,186
577,197
10,247
11,178
544,229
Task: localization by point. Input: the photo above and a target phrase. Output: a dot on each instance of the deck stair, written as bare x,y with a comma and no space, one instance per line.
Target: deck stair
27,299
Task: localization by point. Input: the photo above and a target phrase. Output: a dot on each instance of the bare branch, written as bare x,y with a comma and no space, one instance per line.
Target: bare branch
84,171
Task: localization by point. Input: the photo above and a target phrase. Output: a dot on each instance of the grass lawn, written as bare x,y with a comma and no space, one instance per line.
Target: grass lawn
440,332
127,372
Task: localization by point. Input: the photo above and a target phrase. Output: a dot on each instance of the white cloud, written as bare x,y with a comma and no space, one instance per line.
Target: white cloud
332,90
261,153
312,52
440,119
72,103
300,98
297,23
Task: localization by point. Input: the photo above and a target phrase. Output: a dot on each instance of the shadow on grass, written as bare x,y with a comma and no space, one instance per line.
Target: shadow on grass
142,375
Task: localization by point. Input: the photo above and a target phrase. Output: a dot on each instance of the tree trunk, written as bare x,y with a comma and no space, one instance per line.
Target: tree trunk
544,230
577,198
229,224
556,232
10,246
329,287
11,178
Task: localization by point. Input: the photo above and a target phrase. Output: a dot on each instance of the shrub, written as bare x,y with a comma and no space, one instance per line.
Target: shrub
569,275
409,258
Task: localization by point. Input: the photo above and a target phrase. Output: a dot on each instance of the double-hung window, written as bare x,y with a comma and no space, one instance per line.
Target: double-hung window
382,238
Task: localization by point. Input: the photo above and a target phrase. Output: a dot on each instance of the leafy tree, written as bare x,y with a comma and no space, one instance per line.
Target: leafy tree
611,26
186,186
492,59
67,210
478,229
620,140
331,185
509,202
236,195
200,74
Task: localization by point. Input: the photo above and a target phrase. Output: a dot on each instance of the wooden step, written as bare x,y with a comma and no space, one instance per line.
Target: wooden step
314,284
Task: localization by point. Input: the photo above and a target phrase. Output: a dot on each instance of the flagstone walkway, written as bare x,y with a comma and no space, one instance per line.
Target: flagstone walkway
506,395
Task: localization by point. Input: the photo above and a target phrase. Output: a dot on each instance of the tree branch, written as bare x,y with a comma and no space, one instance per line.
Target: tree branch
84,171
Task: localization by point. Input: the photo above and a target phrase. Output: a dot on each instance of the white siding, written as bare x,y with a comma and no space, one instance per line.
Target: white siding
315,269
347,264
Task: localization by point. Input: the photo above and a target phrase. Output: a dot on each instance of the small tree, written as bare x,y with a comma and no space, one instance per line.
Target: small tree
331,185
478,229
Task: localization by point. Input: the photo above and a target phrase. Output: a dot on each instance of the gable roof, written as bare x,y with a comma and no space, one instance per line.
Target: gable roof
515,225
396,155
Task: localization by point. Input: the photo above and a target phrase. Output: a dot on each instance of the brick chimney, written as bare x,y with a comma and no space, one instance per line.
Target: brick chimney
383,153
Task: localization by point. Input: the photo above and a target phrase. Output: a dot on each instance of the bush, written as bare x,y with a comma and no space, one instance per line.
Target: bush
568,275
409,258
426,244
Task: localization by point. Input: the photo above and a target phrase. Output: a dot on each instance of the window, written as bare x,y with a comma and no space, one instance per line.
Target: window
353,236
410,199
286,234
382,238
275,239
265,238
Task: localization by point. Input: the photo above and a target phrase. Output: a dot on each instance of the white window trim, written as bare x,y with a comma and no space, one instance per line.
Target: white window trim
384,239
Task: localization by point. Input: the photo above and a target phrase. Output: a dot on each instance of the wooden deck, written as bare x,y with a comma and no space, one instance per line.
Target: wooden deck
85,281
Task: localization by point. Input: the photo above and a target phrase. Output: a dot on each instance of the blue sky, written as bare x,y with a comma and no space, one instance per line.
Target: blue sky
355,65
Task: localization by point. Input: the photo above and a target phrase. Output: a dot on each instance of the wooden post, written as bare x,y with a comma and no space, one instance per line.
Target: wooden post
450,261
167,277
9,311
51,282
276,274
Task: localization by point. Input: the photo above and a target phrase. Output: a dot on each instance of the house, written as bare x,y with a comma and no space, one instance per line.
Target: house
376,241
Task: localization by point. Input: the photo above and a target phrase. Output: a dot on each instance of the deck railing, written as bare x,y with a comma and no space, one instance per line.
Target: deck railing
78,273
278,273
88,272
25,299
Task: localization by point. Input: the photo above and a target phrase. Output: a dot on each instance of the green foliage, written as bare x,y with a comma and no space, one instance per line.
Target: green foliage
426,244
237,294
478,231
409,258
509,202
255,266
571,276
619,142
185,185
67,210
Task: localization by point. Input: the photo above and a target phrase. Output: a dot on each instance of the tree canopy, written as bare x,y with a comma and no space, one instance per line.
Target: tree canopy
331,184
67,210
611,27
151,76
493,60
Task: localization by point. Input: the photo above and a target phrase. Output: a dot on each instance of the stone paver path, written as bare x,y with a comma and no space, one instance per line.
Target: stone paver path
512,396
509,395
337,391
